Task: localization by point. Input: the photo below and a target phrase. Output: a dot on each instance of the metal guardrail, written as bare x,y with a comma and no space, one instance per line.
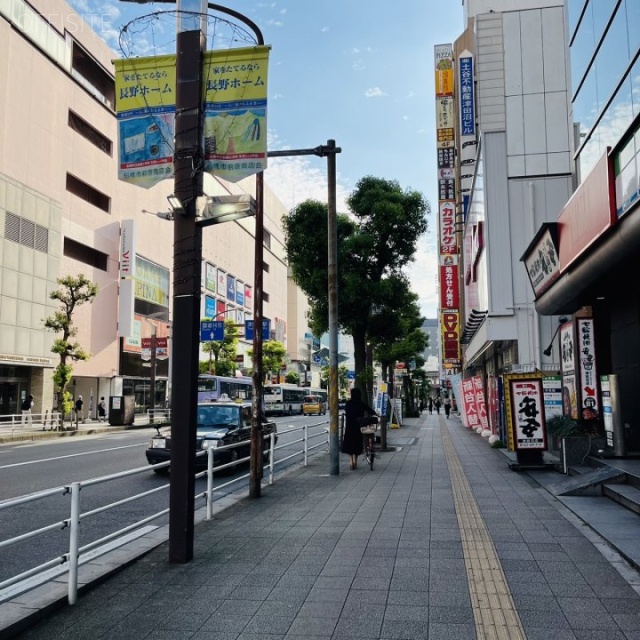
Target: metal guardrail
78,555
14,423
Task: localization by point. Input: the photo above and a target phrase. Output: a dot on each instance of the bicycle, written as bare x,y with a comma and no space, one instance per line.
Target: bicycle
368,427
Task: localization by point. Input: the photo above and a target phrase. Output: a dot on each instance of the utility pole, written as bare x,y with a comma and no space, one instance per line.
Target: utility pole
187,252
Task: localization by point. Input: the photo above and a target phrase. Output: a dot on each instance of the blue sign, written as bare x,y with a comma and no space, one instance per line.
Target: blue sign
351,375
212,331
239,294
231,287
467,104
209,307
249,329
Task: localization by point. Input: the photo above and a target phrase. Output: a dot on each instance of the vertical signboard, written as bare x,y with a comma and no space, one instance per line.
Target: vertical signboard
524,399
568,369
448,246
481,405
469,403
127,278
466,89
589,404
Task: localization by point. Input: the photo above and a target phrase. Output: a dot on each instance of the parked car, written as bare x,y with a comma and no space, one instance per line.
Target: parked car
313,404
219,424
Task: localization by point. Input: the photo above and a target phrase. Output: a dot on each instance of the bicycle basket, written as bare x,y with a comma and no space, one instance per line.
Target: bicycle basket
367,421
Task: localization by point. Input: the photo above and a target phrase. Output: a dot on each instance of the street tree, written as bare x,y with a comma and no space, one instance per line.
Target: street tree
343,378
222,353
72,292
273,357
376,241
292,377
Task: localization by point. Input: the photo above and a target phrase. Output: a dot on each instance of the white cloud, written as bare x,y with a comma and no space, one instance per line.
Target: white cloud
374,92
277,96
324,29
358,66
275,23
405,118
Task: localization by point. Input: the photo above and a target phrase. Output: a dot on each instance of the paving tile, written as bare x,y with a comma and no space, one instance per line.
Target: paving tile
440,631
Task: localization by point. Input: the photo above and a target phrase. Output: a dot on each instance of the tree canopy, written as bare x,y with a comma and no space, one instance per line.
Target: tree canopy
376,241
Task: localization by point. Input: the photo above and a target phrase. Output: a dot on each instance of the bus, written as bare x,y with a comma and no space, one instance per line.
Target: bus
210,388
287,399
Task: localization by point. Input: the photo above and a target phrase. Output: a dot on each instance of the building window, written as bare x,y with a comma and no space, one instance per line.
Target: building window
265,266
92,76
83,253
88,193
90,133
26,233
265,296
266,239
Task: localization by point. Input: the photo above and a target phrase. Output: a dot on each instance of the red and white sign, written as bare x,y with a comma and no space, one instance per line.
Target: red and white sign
527,414
162,348
470,407
449,283
481,405
589,403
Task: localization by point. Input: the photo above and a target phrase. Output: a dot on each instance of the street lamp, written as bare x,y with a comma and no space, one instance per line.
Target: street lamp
561,321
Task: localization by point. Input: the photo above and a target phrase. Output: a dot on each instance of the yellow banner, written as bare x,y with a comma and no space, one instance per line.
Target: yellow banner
235,126
145,105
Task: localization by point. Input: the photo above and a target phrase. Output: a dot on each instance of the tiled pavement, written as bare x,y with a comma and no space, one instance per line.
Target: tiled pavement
440,541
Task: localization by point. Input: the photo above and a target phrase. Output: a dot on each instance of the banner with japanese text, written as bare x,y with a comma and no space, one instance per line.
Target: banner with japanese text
481,405
471,418
449,288
145,107
524,399
235,121
589,402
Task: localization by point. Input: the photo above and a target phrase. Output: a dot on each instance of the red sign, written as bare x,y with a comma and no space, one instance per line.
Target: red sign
450,331
449,287
481,405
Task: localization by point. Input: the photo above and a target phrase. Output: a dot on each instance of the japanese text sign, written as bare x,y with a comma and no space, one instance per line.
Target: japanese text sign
470,406
212,330
449,287
481,405
448,241
450,331
467,106
525,412
249,329
589,405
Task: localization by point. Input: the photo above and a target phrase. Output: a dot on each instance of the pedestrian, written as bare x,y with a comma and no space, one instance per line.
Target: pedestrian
430,405
78,408
102,410
437,404
447,406
354,409
27,406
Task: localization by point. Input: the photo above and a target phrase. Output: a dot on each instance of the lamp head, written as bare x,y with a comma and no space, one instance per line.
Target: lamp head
547,351
562,319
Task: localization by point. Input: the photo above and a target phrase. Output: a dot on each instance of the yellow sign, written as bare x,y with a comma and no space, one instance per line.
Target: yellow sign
145,106
235,125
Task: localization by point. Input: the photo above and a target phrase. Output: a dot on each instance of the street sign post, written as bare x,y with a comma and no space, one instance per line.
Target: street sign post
211,331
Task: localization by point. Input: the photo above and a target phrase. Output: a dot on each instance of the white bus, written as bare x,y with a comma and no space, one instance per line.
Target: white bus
287,399
210,388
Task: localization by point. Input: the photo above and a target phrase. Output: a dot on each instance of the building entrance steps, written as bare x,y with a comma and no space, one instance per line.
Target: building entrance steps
440,540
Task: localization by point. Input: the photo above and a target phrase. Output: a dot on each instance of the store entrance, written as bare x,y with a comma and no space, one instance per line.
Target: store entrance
14,387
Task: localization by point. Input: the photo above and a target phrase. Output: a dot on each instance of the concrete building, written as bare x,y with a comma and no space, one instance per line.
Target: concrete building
62,211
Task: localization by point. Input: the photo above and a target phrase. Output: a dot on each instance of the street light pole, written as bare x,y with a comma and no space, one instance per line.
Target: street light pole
152,381
187,252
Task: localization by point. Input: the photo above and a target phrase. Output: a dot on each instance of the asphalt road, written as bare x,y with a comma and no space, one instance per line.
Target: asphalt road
26,468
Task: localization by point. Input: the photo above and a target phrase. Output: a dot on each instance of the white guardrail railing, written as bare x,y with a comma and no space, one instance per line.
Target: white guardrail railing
79,555
24,423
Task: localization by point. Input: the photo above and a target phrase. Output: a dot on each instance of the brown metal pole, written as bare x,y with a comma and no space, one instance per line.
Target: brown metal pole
256,466
152,381
187,255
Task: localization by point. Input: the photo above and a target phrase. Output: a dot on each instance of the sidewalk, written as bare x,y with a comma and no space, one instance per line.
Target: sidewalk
441,541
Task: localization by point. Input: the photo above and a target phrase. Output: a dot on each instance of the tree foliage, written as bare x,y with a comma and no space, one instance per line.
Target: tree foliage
72,292
273,357
375,243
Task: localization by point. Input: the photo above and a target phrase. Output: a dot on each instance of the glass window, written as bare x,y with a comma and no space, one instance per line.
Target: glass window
632,9
574,8
602,10
617,117
612,58
582,48
585,105
589,155
635,87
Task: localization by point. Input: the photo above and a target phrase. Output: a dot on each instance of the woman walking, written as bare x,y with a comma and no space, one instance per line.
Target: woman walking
354,409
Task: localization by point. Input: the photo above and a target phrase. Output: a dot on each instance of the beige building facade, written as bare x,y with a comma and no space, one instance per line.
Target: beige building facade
62,212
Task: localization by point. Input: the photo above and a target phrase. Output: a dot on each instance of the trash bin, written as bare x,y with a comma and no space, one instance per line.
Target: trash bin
121,410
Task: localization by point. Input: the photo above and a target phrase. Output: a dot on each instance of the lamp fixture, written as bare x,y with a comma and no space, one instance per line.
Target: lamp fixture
175,204
165,215
561,321
216,209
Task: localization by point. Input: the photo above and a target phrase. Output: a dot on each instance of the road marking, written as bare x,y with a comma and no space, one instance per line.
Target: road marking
494,611
71,455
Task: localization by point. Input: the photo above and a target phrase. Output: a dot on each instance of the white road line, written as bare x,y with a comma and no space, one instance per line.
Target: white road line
72,455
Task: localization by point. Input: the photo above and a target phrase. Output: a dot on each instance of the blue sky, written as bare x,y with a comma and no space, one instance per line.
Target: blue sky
357,71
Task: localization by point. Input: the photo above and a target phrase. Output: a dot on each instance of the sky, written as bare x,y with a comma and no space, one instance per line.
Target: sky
359,72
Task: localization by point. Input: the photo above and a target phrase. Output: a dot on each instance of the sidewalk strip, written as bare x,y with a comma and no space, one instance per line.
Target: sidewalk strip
494,611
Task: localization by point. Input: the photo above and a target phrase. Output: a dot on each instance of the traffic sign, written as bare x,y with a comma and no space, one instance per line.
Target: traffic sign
249,331
212,330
